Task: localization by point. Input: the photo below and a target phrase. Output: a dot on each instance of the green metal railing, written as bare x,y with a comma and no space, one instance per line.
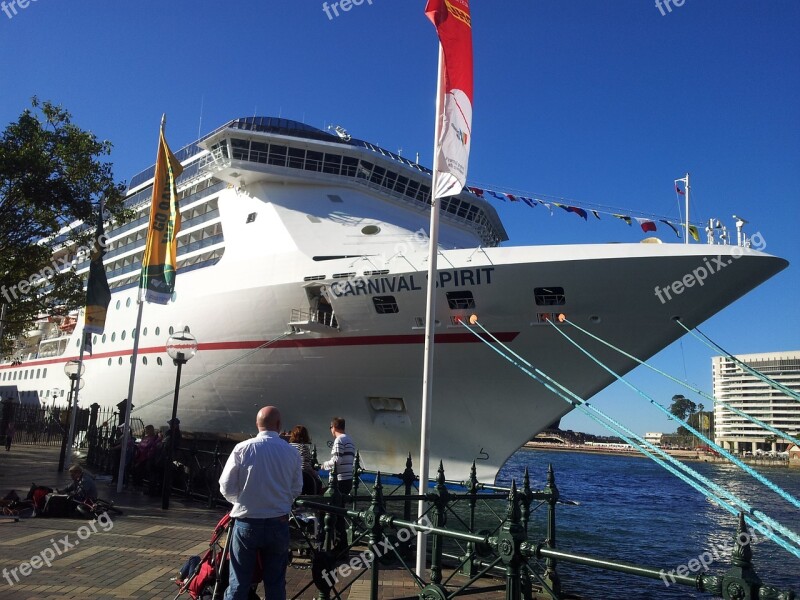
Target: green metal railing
528,567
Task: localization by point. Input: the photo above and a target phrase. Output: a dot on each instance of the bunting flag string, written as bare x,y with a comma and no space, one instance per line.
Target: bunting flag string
646,224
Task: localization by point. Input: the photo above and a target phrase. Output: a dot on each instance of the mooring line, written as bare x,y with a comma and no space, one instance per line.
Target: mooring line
774,487
759,375
583,404
688,386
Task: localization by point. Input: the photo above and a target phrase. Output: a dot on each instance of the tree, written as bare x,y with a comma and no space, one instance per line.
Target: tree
683,409
51,182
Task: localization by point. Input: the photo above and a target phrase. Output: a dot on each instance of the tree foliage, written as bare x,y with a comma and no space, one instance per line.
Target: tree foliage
52,179
682,407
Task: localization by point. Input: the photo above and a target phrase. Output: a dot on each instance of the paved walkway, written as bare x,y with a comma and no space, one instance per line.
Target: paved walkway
134,556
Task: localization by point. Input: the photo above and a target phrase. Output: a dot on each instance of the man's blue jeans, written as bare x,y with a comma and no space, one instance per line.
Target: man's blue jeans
268,538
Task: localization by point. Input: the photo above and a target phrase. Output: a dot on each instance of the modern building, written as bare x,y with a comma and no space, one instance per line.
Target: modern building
742,390
654,437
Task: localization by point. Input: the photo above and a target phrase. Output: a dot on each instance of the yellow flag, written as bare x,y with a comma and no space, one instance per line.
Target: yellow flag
159,264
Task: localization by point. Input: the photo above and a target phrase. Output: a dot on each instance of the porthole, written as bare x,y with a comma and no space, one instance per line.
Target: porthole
94,341
104,338
144,331
370,230
78,343
44,372
171,330
158,331
113,336
117,305
120,360
109,362
127,302
144,360
122,335
159,362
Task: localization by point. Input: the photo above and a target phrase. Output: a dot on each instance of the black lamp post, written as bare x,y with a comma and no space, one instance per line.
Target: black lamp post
73,369
181,346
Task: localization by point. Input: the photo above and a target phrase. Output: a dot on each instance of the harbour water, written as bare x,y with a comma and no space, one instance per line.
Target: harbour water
630,509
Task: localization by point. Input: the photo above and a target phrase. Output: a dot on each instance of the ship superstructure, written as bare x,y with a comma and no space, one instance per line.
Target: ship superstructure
302,268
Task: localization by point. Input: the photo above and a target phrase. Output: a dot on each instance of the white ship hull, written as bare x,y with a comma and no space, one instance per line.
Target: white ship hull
254,350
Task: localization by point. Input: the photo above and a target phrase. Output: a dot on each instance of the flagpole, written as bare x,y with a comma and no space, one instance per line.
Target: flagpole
126,432
430,322
686,239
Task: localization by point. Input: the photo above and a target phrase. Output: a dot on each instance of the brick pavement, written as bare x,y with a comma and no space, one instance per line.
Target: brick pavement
133,556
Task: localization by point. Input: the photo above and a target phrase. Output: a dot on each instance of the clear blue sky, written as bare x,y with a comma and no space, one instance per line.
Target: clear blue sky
601,102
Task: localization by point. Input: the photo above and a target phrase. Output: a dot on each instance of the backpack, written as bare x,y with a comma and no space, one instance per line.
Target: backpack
38,496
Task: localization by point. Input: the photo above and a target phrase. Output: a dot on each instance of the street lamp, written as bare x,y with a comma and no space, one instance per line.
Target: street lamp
74,370
181,347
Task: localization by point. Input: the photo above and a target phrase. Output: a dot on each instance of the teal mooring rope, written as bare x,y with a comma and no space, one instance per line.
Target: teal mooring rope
618,428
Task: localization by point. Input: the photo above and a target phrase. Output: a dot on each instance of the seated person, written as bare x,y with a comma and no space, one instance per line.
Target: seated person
82,487
146,451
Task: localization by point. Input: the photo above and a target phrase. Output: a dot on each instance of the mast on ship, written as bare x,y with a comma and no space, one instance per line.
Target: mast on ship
685,193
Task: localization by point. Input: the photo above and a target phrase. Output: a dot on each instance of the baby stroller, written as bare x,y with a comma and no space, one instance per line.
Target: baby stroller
206,577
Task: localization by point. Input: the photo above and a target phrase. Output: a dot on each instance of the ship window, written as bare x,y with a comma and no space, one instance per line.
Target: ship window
460,300
332,164
113,336
44,372
313,161
277,155
158,330
349,166
117,305
296,158
370,230
385,305
402,182
412,188
122,336
26,375
159,362
171,330
104,338
38,373
364,170
258,152
334,198
377,175
94,340
251,217
391,178
240,149
144,331
549,296
120,360
144,360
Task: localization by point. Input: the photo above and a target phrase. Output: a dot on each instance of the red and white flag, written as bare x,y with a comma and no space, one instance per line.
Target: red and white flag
454,106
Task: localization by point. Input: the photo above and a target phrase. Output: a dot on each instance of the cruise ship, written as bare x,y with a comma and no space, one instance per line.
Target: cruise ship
302,272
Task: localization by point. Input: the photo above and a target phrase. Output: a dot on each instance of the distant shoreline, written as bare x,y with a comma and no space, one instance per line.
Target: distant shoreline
684,455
